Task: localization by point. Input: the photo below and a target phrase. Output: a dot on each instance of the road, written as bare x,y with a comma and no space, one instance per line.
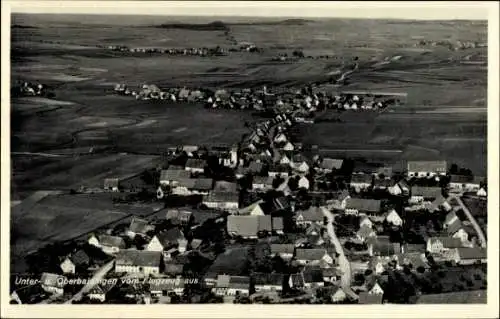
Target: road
479,231
96,278
344,264
36,154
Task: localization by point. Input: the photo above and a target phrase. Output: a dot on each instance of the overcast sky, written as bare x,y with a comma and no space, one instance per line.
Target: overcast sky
401,10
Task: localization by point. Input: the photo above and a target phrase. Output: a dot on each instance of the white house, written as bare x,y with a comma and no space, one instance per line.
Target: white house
288,147
280,138
460,183
300,167
222,200
421,169
303,182
313,256
254,209
285,251
108,244
284,160
67,266
376,289
138,261
394,218
365,221
482,192
437,245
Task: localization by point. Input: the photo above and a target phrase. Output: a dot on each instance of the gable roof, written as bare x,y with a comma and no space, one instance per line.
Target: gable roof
331,164
384,247
310,254
361,178
454,227
203,183
312,274
171,236
261,278
111,182
313,214
221,197
176,214
248,225
363,204
225,187
248,210
239,282
472,253
196,163
448,242
140,226
427,166
266,180
282,248
80,257
133,257
427,192
174,174
111,241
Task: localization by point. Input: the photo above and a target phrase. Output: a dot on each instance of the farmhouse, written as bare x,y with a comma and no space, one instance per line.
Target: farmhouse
164,240
469,256
312,256
100,291
331,274
356,206
365,221
420,194
138,261
76,261
172,176
278,227
111,184
422,169
457,230
364,233
139,226
189,186
108,244
268,282
437,245
393,218
232,285
222,200
461,183
313,215
249,226
279,170
361,182
382,246
178,217
165,286
416,260
329,165
262,183
254,209
195,165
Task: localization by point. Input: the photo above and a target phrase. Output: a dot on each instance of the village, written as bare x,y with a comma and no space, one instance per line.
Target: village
268,220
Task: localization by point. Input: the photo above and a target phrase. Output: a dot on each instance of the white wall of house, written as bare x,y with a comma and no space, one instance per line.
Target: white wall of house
351,211
94,241
304,183
416,199
147,270
262,288
376,290
154,245
194,169
462,234
67,266
366,222
394,218
339,296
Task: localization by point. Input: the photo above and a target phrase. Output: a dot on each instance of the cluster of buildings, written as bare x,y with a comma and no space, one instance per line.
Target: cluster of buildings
29,89
201,52
282,197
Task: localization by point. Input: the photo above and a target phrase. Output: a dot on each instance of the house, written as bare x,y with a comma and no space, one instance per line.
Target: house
108,244
179,217
262,183
462,183
456,230
189,186
331,274
254,209
288,147
195,165
53,283
315,234
382,246
437,245
379,264
111,184
284,160
393,218
469,256
296,281
232,285
77,260
303,182
364,233
139,226
329,165
312,215
361,182
422,169
280,138
138,261
312,256
164,286
255,168
249,226
399,188
100,291
313,277
222,200
282,170
284,187
383,184
419,194
166,239
482,192
383,172
285,251
268,282
225,187
365,221
356,206
373,288
278,227
172,176
415,260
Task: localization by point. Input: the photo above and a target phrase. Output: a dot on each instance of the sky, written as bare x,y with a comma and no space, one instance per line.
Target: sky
438,10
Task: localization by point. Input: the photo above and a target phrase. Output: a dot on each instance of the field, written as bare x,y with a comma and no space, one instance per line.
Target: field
63,217
88,133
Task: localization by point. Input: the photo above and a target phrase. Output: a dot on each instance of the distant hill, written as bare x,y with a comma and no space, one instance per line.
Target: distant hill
19,26
281,22
212,26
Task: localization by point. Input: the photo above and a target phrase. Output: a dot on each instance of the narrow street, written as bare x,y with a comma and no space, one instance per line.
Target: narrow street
479,231
344,264
96,278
